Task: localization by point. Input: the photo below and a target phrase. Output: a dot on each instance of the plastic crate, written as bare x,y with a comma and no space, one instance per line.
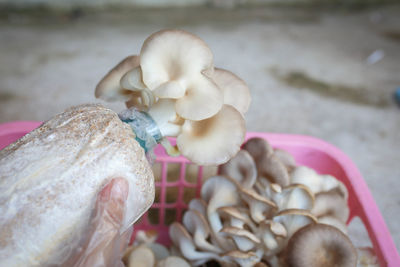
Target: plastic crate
308,151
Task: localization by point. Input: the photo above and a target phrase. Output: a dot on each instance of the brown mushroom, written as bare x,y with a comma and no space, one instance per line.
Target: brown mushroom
241,169
320,245
268,165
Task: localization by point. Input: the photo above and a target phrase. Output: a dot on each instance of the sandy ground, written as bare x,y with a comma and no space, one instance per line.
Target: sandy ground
307,70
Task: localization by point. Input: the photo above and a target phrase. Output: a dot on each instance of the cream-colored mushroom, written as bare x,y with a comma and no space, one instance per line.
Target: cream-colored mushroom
243,239
218,192
141,256
241,169
260,207
197,225
235,91
182,239
177,64
173,261
164,115
320,245
132,80
109,87
145,237
214,140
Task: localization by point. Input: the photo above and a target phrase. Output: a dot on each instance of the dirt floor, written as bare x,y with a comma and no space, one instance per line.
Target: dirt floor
328,73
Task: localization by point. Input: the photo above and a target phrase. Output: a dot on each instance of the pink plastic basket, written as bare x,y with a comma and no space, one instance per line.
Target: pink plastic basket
307,151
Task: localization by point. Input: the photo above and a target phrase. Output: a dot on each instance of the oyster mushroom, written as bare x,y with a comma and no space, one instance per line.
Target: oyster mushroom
332,204
197,225
182,239
268,165
141,256
320,245
235,91
218,192
294,197
109,87
316,182
294,219
244,239
212,141
272,234
241,169
260,207
199,205
286,158
176,64
333,221
237,217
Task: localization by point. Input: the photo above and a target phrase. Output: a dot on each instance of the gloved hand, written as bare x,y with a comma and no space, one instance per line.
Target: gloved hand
104,245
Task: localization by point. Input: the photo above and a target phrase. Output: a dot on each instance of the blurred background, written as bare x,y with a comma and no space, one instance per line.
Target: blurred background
327,68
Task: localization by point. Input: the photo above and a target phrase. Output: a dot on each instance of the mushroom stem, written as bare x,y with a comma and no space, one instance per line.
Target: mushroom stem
152,126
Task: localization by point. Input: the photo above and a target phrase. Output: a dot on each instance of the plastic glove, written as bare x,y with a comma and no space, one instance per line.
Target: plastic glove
104,245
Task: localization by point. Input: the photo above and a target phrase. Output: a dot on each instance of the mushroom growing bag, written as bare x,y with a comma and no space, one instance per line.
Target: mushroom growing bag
50,178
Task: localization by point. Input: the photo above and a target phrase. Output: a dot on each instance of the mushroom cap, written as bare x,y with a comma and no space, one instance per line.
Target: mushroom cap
286,158
235,90
268,165
199,205
141,256
109,87
241,168
320,245
331,203
294,219
257,148
132,80
215,140
260,207
243,239
294,196
234,213
173,55
333,221
201,99
160,251
218,192
175,64
234,231
316,182
251,194
182,239
197,225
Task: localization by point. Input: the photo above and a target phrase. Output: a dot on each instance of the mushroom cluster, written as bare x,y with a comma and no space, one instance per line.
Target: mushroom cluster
263,210
146,252
174,80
